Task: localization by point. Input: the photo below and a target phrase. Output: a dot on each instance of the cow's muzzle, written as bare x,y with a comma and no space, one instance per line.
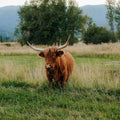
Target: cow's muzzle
50,68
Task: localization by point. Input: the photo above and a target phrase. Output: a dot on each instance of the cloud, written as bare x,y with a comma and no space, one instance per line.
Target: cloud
90,2
21,2
11,2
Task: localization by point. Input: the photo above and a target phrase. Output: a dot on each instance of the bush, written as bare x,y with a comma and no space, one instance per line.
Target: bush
7,44
97,35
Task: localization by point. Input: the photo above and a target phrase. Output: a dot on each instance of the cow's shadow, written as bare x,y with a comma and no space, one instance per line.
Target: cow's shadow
53,86
50,86
17,84
44,86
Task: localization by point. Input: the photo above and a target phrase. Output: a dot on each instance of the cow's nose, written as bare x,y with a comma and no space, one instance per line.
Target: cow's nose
48,66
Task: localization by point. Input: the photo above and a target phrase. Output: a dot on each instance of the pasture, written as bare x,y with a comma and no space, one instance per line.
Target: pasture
92,93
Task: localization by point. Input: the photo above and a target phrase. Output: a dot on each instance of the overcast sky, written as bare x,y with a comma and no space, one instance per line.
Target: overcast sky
80,2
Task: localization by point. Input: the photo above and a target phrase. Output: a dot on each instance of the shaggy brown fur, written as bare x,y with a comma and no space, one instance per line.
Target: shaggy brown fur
59,65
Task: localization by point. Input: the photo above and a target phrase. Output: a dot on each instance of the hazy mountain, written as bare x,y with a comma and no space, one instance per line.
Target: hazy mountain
9,17
97,13
8,20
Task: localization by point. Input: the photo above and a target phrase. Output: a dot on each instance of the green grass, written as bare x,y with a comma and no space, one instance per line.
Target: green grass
22,101
34,100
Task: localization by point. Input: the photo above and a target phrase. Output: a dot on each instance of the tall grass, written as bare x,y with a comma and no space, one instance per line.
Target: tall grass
84,75
9,70
94,76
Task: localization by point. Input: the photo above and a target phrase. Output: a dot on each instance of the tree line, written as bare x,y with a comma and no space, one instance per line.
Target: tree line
4,39
51,21
113,15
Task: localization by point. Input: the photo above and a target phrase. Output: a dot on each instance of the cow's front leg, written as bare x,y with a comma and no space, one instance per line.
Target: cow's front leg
56,78
49,77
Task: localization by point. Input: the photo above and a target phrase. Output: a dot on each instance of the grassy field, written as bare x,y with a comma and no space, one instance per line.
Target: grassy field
92,93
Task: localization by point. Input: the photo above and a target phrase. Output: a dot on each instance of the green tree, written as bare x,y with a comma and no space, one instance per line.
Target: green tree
88,24
110,5
90,21
97,35
49,21
7,39
117,18
1,38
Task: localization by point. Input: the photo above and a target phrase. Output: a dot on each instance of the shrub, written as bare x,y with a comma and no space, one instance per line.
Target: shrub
97,35
7,44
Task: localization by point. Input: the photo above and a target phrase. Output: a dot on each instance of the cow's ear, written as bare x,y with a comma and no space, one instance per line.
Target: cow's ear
59,53
41,54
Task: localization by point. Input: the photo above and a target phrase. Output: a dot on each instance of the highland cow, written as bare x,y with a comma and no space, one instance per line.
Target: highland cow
59,64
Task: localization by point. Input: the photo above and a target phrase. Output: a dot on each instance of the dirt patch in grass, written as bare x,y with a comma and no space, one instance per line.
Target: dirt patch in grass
113,63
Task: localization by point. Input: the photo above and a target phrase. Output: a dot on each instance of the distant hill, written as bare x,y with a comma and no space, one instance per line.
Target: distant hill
9,17
97,13
8,20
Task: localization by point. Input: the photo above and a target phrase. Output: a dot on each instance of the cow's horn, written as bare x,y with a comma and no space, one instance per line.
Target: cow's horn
34,48
66,44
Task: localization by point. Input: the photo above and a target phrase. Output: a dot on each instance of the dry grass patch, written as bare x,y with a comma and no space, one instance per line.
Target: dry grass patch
78,49
106,48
